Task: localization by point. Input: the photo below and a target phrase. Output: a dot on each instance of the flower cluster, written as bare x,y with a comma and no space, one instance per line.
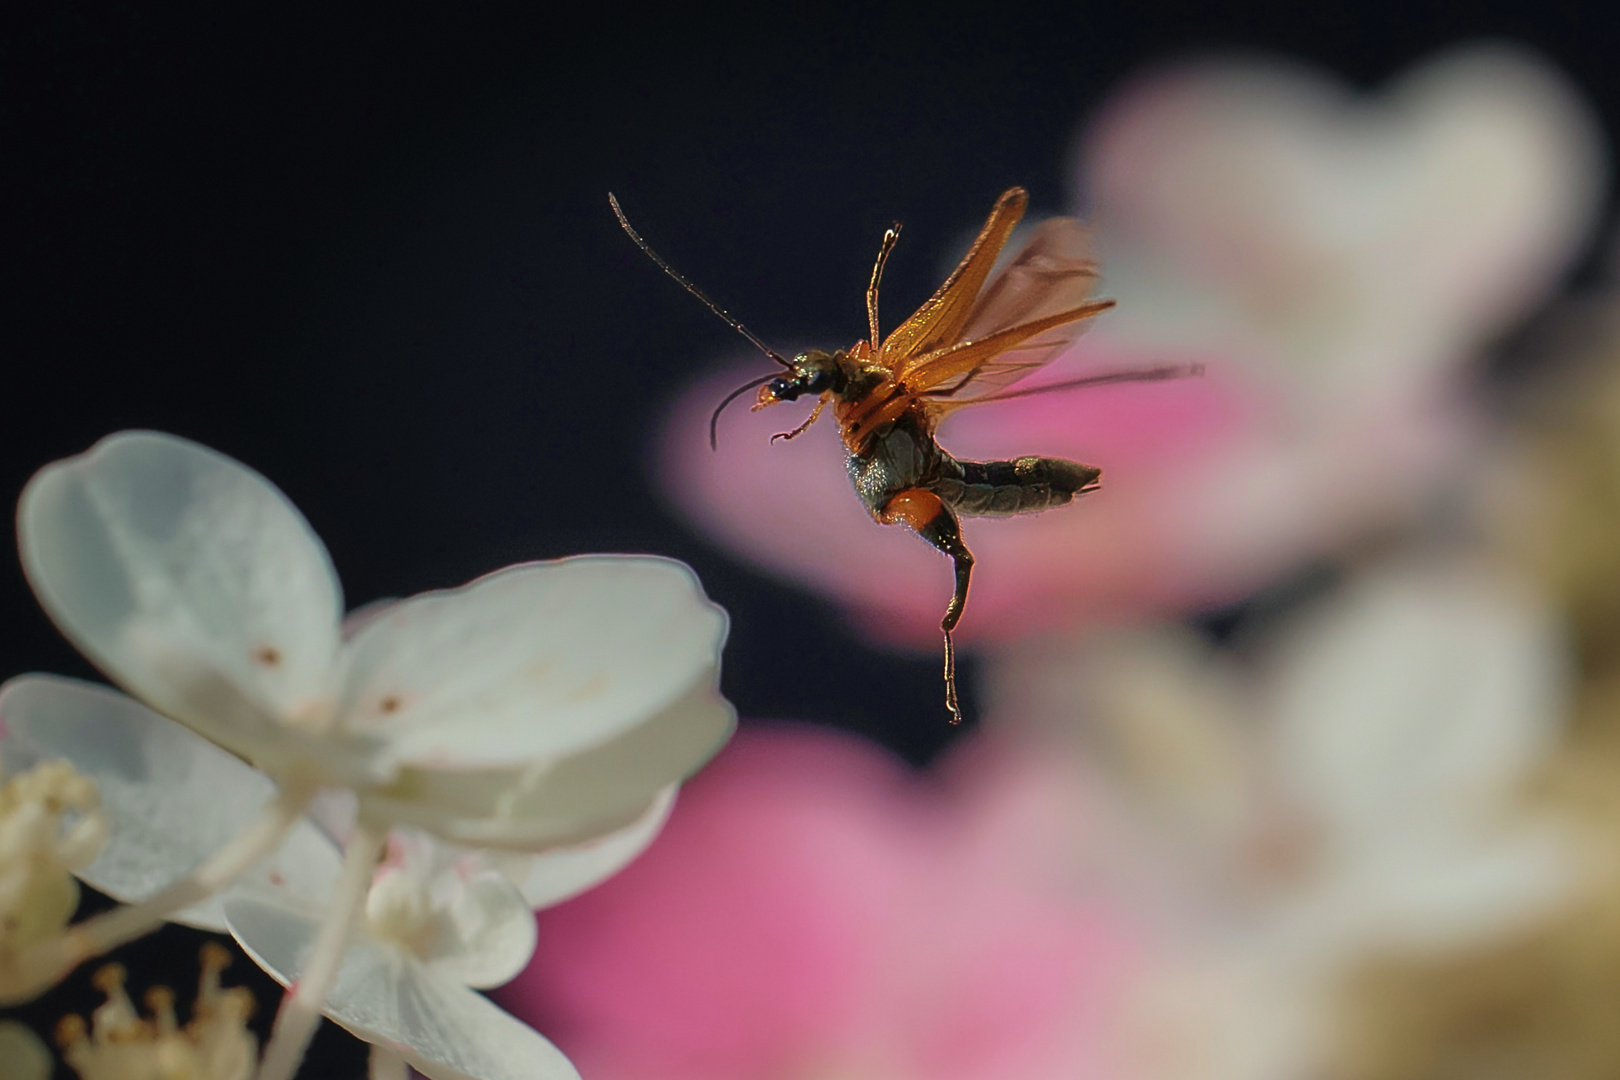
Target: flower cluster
493,748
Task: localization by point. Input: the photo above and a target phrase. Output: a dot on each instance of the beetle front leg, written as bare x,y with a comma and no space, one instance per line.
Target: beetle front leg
815,414
926,514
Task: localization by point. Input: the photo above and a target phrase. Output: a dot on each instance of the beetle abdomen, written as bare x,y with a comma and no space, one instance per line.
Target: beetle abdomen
1021,486
901,458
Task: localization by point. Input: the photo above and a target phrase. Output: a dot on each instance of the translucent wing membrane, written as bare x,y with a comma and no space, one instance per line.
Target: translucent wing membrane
944,374
1158,373
973,347
1052,273
940,321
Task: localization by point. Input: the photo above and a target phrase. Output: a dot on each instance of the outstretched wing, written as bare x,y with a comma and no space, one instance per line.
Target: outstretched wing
1025,317
940,321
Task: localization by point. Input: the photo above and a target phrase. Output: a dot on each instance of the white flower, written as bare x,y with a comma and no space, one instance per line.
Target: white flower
1355,793
437,919
1409,714
166,799
544,705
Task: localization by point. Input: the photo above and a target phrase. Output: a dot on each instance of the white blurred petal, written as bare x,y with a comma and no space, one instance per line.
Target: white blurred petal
546,659
188,578
443,1029
1422,692
563,873
170,798
1437,893
1358,246
1220,1015
23,1053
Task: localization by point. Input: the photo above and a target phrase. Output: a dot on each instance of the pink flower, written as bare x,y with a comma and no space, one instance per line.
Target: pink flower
1335,263
812,909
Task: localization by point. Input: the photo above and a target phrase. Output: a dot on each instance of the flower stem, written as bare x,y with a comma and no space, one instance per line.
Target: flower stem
300,1010
386,1065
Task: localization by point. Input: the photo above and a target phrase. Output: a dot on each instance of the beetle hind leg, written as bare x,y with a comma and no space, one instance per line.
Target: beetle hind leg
927,515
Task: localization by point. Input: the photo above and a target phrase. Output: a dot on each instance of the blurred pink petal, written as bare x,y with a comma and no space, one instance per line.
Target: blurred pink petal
814,909
1333,263
1209,486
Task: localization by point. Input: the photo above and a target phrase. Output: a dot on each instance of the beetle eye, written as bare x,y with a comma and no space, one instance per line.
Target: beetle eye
783,389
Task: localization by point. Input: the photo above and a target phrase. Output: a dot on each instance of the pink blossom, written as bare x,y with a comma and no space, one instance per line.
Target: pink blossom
1334,262
813,909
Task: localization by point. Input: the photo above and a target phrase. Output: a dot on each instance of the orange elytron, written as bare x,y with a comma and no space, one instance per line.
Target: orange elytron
974,338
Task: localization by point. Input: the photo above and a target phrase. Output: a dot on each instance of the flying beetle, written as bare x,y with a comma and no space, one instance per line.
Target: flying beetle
972,340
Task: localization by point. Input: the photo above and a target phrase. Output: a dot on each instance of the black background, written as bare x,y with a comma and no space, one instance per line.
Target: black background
369,254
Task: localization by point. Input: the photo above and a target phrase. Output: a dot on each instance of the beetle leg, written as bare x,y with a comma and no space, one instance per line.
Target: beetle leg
926,514
889,237
815,414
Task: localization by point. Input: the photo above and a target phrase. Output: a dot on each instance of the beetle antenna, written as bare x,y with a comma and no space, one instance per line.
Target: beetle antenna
691,288
1160,373
714,421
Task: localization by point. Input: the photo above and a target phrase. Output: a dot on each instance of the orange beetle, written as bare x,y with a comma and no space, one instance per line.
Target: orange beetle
974,338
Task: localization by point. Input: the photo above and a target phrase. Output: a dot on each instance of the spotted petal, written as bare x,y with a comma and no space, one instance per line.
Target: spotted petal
540,806
170,798
188,578
384,996
535,661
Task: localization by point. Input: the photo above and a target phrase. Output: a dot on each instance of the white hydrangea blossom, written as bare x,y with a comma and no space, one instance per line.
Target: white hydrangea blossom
437,919
547,705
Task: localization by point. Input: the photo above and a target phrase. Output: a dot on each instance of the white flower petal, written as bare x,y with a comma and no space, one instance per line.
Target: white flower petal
442,1028
170,798
483,931
535,661
1439,894
578,799
488,932
1424,689
188,578
560,874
